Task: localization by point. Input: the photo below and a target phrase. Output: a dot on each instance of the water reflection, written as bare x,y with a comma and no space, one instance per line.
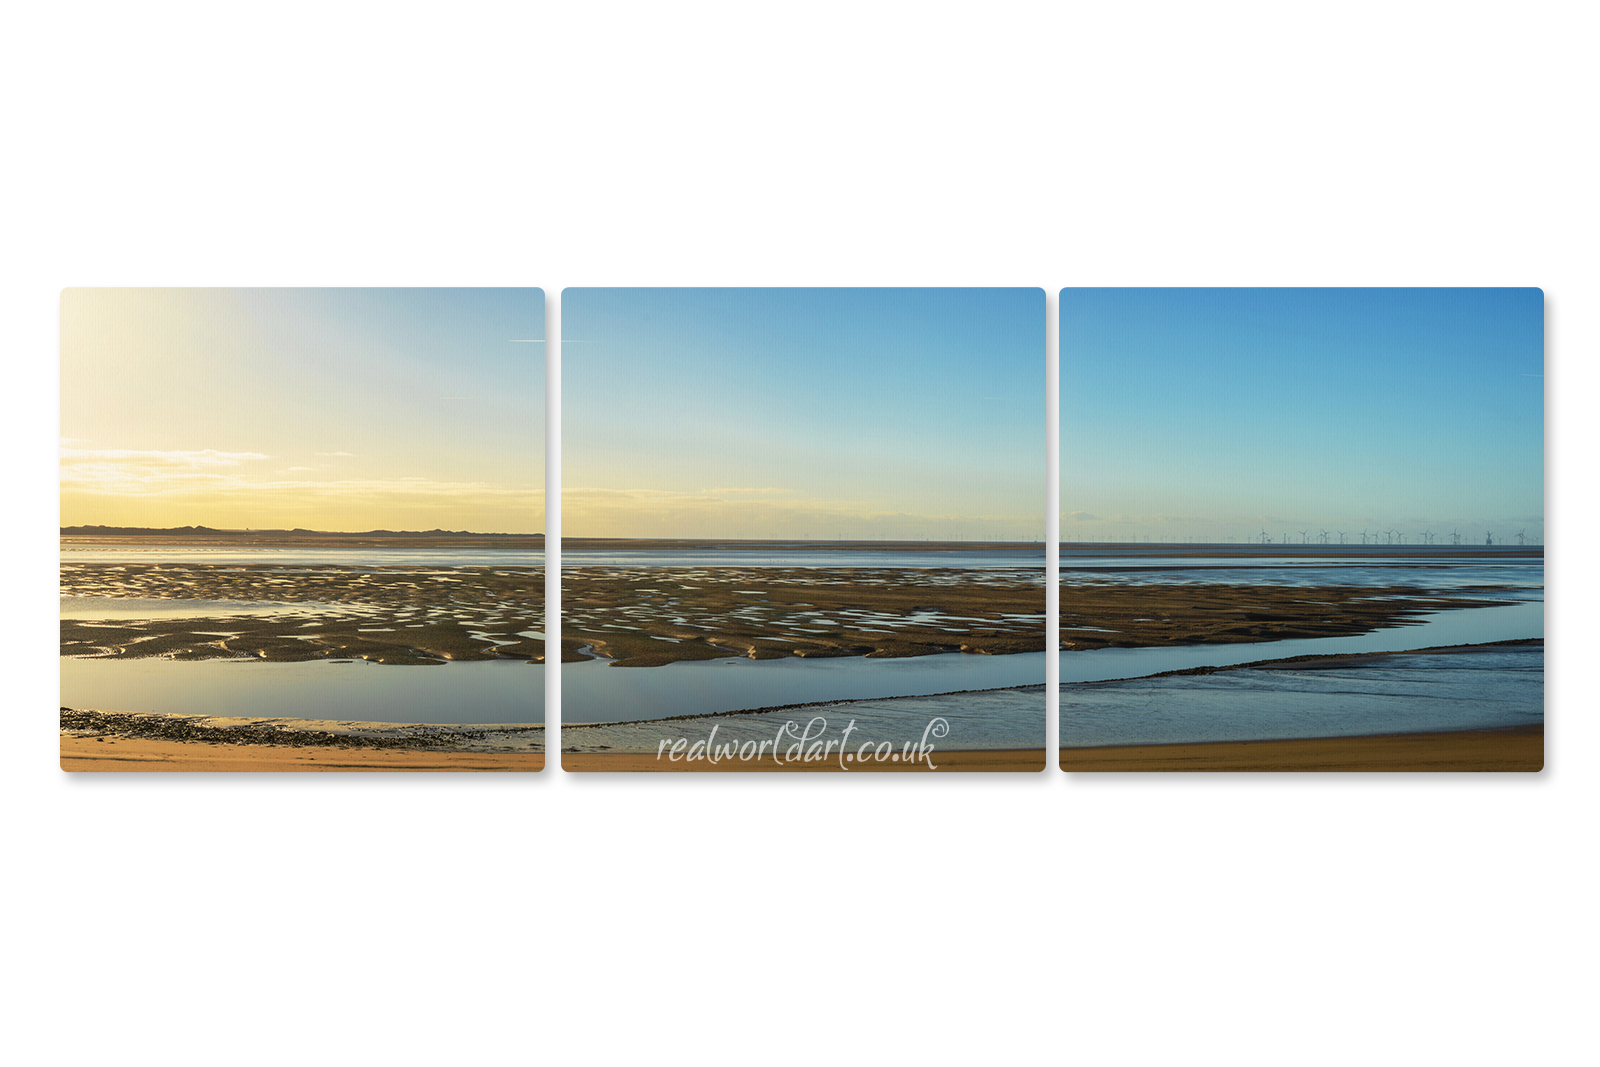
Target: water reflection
484,692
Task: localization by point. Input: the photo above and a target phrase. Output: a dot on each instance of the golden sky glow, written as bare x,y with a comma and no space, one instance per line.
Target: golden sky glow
331,409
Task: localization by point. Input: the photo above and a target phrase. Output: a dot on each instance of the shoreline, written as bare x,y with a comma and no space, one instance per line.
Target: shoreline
151,741
120,755
967,760
1513,748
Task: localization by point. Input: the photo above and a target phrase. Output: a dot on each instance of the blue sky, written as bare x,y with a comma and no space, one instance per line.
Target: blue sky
1219,413
750,413
332,409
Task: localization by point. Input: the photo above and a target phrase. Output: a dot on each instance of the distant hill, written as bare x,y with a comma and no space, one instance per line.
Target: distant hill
207,531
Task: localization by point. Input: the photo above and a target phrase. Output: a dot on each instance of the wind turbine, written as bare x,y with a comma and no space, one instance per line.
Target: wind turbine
1324,536
1341,537
1522,538
1488,538
1455,536
1264,539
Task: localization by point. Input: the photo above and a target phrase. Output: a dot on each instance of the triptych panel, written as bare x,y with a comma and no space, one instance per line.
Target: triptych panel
802,530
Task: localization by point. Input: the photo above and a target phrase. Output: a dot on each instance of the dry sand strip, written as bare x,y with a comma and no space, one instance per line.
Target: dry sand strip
1517,749
1016,759
140,754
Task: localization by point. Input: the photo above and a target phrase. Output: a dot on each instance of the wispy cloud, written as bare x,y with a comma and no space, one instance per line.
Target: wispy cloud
126,470
131,472
206,457
336,453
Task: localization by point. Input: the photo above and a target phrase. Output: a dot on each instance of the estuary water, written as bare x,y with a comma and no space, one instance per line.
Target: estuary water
904,692
802,555
1107,698
1515,572
1487,689
301,557
501,692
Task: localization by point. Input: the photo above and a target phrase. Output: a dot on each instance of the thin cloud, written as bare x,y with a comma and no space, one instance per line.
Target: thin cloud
126,470
206,457
143,473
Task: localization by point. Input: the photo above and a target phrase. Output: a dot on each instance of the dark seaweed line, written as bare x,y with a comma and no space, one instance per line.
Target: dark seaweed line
165,728
1334,661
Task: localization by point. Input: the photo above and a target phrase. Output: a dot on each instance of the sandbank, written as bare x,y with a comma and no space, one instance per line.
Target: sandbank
647,616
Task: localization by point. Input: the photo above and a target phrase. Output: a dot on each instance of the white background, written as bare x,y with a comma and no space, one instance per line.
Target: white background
1002,918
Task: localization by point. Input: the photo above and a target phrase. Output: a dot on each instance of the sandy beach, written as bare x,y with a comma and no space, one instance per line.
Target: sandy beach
140,754
1517,749
990,760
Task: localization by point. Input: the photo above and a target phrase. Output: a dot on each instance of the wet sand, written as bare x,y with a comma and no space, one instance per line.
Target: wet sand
141,754
411,615
648,617
1112,615
1516,749
652,616
990,760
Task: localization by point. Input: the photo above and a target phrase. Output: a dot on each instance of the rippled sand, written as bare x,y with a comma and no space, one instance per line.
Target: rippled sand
650,616
398,615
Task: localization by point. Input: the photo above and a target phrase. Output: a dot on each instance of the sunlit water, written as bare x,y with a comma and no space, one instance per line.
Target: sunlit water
122,609
779,556
302,557
498,691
